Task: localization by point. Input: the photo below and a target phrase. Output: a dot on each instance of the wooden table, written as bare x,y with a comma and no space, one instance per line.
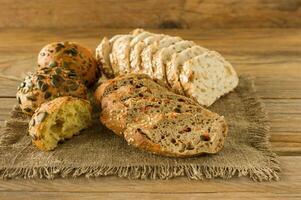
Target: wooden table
271,56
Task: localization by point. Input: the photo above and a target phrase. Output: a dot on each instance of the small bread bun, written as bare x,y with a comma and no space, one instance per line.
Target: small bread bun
58,120
47,84
70,55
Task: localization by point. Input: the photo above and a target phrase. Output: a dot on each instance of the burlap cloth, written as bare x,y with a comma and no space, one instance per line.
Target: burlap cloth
99,152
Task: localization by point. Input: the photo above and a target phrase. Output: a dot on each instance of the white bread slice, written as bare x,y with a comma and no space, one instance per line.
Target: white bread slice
207,77
102,53
136,48
120,55
150,51
174,66
163,56
146,67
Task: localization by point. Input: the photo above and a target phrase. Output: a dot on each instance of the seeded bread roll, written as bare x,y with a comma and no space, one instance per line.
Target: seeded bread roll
152,118
58,120
47,84
70,55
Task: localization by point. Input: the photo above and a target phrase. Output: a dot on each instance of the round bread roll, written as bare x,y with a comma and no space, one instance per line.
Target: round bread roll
70,55
58,120
47,84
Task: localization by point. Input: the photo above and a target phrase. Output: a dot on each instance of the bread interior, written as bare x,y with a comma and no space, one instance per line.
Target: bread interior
69,120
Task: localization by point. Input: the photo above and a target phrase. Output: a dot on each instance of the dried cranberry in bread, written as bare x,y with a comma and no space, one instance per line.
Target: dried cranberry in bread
47,84
70,55
152,118
58,120
179,134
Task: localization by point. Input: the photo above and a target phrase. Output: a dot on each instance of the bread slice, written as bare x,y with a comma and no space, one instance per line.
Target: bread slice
146,67
151,50
119,109
163,56
103,51
207,77
152,118
120,55
136,48
174,66
138,84
179,134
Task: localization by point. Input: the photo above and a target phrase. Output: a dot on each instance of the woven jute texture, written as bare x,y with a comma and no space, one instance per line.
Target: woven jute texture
98,152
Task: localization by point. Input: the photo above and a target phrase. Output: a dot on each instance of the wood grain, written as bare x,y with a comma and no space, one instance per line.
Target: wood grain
151,13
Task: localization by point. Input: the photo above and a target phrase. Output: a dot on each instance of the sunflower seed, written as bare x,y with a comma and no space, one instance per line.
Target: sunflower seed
47,95
27,110
53,64
32,98
41,117
65,64
58,70
22,84
40,77
73,87
19,100
32,122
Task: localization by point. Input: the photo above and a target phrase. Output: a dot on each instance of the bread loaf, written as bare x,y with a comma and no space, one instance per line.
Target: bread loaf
58,120
47,84
70,55
163,57
152,118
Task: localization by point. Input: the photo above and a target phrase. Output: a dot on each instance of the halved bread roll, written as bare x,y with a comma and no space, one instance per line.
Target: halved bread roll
58,120
207,77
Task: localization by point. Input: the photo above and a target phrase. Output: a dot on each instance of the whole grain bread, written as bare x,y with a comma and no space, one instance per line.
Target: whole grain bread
152,118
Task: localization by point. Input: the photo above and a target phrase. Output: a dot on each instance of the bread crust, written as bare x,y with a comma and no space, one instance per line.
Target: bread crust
70,55
47,84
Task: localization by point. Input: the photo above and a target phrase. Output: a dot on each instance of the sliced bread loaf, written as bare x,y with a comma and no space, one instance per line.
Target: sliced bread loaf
152,118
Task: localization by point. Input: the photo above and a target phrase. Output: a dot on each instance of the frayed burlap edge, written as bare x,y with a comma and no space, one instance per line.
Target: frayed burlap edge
259,127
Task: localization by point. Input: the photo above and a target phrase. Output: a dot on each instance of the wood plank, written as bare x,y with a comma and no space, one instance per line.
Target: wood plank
151,14
288,187
146,196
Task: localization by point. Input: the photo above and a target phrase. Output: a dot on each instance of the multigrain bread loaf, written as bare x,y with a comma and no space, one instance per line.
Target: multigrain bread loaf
70,55
47,84
58,120
152,118
163,58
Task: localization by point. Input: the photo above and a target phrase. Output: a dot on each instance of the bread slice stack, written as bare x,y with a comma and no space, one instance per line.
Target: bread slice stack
183,66
152,118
